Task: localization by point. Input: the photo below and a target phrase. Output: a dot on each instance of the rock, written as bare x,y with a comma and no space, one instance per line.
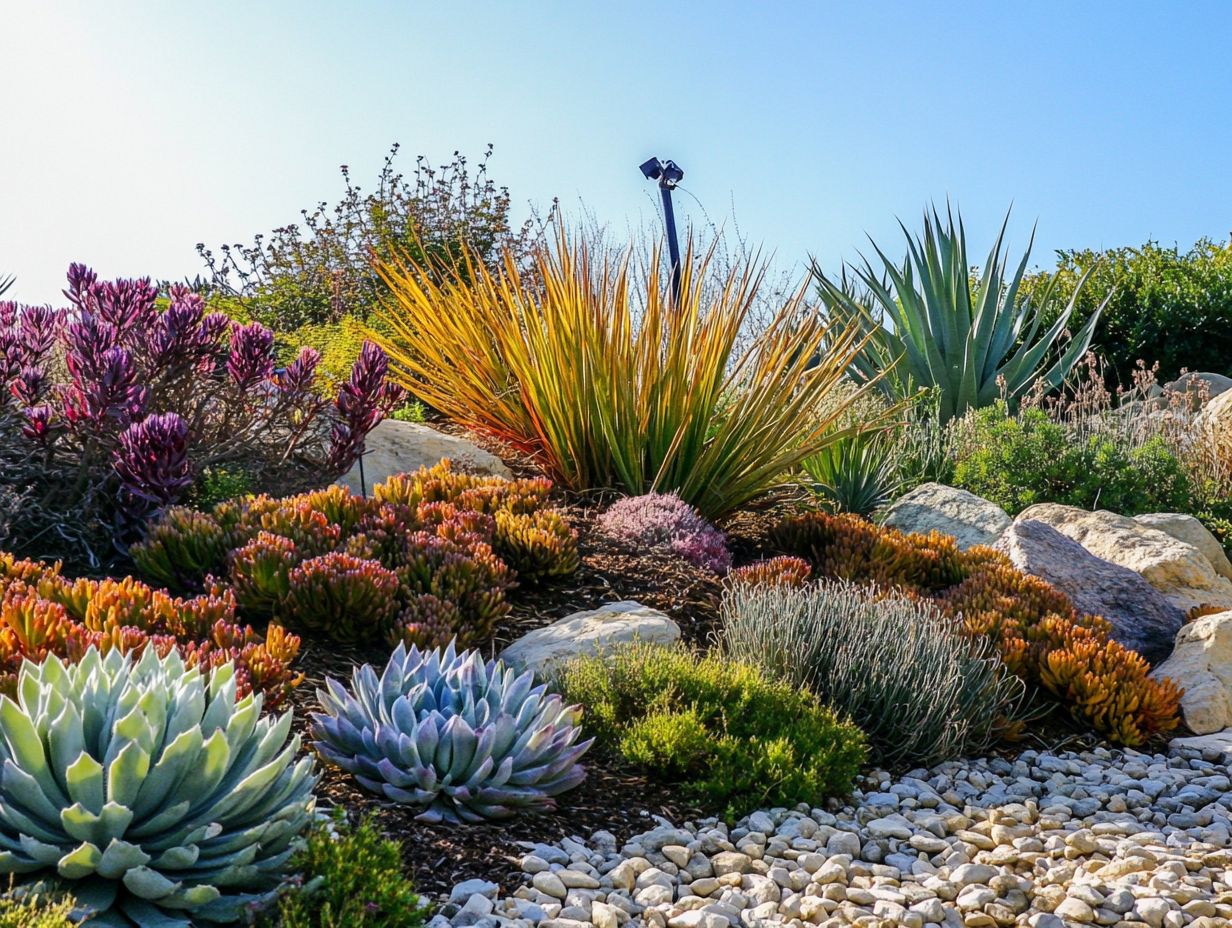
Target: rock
467,888
1201,663
588,633
548,882
1217,746
1177,569
395,447
969,874
1216,417
1200,382
934,506
1142,618
730,862
1186,528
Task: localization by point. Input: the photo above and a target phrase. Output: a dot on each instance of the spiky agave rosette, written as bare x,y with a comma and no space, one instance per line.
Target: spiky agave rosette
159,798
467,740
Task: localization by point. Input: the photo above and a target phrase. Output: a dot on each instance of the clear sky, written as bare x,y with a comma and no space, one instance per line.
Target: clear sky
132,129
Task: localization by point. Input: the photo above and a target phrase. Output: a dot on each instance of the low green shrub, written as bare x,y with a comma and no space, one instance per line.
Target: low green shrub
414,411
216,484
1019,460
728,734
924,691
351,877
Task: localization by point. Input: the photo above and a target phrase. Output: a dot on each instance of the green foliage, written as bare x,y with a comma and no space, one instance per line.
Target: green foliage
414,411
1019,460
728,734
923,691
932,325
36,910
857,473
216,484
1216,515
350,878
150,787
321,272
1166,305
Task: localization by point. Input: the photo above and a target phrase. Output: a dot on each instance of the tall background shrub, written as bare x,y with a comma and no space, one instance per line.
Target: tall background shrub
1166,305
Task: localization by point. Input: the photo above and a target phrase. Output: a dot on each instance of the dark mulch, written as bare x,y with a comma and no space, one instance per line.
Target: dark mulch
614,798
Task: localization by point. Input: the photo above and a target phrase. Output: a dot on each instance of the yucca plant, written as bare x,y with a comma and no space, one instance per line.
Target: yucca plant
858,474
587,364
159,798
464,739
933,325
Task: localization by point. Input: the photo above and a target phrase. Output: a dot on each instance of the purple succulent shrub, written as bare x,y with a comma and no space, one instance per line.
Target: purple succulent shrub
663,521
252,355
152,463
363,401
110,406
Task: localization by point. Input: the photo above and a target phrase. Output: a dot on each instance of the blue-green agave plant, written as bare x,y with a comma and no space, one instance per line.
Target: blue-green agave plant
464,739
933,325
152,793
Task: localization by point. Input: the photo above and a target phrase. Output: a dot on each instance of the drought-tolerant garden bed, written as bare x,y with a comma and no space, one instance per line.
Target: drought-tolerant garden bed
888,609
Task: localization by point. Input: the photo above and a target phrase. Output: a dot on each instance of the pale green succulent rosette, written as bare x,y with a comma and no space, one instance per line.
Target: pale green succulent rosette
156,796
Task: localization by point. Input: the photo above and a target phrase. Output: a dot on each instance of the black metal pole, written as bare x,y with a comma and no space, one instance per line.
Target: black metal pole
668,174
673,244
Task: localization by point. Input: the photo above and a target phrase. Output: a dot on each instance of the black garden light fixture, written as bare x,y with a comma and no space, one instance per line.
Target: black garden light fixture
668,174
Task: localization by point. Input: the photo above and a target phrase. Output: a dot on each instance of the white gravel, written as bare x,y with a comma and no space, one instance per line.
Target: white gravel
1115,838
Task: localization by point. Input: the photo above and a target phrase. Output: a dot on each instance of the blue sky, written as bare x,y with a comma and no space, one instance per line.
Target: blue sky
133,129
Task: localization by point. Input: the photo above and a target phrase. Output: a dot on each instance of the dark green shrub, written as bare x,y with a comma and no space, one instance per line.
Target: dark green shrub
1017,461
728,734
1168,306
352,878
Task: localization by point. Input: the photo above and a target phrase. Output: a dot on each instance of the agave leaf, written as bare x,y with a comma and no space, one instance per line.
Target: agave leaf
80,862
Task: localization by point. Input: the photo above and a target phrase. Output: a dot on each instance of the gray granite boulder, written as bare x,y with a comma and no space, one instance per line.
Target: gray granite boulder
1142,618
971,519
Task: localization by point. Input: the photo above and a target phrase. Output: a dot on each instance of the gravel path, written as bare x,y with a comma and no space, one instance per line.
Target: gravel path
1116,838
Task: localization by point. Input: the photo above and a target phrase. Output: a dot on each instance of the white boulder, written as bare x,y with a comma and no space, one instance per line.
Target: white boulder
589,633
1186,528
1201,663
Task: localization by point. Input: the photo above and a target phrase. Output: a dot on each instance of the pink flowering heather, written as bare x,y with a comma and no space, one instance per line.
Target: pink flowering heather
663,521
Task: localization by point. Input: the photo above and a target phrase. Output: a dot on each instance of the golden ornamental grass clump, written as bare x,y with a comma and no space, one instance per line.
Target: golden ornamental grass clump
586,363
